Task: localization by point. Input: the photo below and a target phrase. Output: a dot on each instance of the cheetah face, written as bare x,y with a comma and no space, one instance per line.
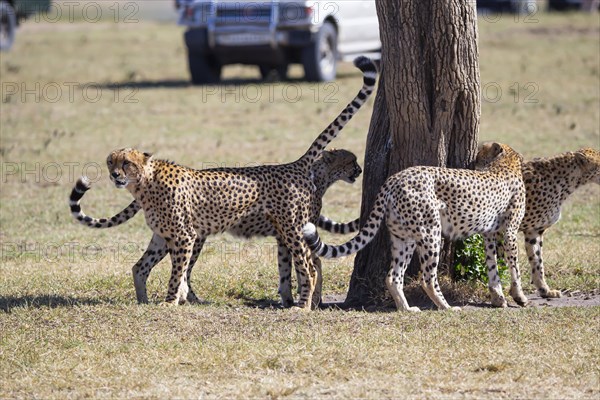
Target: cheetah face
343,164
589,160
126,166
354,172
487,153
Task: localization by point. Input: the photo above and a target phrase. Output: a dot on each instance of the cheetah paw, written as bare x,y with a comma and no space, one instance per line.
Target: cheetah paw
519,297
299,309
499,302
552,294
193,299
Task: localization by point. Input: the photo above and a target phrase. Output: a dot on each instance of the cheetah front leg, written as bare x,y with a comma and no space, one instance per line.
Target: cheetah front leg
533,245
494,284
156,251
191,296
181,249
402,252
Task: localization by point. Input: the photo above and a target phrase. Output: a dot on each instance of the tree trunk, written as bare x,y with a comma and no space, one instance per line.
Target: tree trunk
426,113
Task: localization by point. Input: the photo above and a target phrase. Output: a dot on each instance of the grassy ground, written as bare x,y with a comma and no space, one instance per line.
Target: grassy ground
70,326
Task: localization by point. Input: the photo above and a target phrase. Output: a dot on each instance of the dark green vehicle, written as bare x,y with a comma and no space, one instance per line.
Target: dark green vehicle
12,12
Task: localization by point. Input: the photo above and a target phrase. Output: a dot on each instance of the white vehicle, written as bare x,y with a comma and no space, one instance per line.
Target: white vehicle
273,34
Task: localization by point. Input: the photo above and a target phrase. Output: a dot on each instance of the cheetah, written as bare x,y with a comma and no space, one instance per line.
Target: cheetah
333,165
548,183
183,206
421,204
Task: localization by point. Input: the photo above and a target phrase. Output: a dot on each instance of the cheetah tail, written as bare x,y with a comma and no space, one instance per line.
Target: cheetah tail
358,242
338,227
369,70
82,186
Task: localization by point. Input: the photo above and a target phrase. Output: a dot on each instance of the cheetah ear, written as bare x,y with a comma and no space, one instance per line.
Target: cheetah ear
147,157
580,156
582,160
497,149
328,156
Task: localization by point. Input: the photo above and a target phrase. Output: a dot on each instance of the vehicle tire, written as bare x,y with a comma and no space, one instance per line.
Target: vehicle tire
558,5
204,69
8,25
268,72
320,57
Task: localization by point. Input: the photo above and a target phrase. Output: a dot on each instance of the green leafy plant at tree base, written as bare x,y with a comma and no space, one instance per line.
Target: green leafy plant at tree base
469,261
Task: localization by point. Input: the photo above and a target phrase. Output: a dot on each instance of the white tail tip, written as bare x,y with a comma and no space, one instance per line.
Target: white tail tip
309,229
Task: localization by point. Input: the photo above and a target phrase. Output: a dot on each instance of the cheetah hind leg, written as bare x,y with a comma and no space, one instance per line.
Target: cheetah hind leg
317,297
180,257
285,275
401,254
533,245
307,275
429,249
290,235
317,294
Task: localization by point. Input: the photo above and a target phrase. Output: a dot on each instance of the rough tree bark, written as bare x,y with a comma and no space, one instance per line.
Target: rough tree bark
426,112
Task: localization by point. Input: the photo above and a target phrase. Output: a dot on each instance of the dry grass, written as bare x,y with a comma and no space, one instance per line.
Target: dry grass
70,326
123,351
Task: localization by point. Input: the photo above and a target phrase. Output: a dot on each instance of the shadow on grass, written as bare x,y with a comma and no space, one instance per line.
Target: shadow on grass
160,84
338,303
415,297
262,304
47,301
181,83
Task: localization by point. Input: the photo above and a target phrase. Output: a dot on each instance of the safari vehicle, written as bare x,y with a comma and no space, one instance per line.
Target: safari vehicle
14,11
511,6
274,34
566,5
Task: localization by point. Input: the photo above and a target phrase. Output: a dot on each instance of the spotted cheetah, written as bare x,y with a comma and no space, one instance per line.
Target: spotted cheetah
548,183
183,206
420,204
333,165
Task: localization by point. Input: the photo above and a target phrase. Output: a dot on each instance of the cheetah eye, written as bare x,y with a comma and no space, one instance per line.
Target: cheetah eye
125,163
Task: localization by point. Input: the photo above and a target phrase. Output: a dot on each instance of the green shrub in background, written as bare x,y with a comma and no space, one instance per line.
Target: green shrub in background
469,261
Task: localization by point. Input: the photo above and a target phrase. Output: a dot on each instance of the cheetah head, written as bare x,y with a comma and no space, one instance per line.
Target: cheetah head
126,166
489,153
589,161
342,164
